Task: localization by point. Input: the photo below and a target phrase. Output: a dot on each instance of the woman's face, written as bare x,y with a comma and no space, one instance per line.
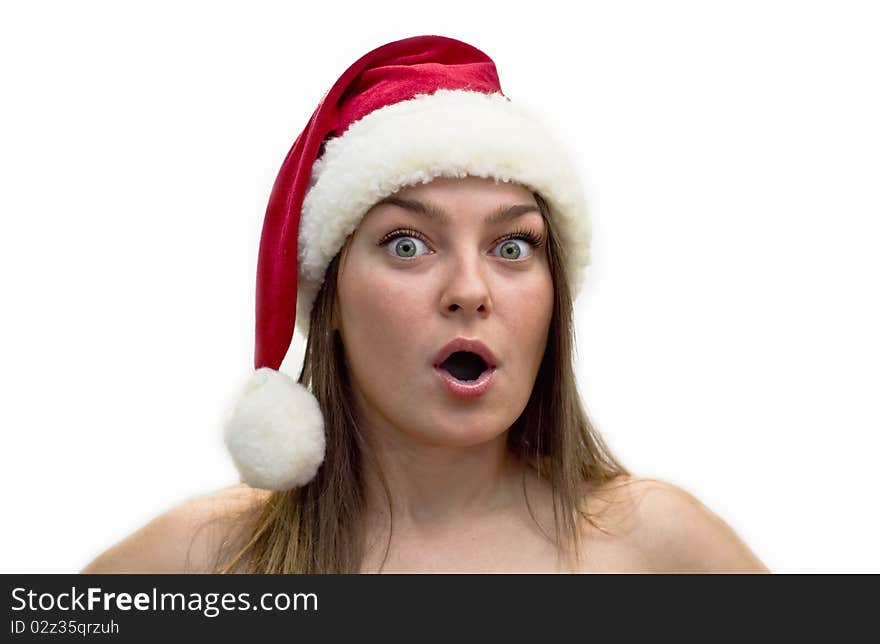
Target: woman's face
409,283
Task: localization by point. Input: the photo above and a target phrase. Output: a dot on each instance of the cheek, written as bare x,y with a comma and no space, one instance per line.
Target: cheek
527,308
379,316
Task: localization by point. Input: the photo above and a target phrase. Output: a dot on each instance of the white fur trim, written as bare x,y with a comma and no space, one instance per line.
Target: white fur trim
275,432
451,133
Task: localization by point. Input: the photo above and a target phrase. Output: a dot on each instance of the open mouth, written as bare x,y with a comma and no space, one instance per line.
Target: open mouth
464,365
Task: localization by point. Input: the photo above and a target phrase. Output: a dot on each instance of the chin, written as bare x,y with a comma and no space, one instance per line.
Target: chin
460,435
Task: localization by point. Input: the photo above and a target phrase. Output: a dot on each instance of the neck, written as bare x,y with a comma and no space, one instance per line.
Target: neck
432,488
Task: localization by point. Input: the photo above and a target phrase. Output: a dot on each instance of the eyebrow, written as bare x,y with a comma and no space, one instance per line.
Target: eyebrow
434,212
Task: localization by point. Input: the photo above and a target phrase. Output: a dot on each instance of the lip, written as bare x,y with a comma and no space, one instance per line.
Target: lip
466,344
466,388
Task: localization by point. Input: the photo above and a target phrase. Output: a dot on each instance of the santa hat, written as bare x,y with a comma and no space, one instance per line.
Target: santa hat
405,113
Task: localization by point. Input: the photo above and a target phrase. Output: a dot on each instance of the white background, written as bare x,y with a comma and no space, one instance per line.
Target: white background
727,334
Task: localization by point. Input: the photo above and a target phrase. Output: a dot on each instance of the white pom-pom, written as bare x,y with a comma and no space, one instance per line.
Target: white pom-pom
275,432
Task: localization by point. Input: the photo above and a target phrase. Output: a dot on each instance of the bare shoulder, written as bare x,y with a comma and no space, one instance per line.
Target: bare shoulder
186,538
671,529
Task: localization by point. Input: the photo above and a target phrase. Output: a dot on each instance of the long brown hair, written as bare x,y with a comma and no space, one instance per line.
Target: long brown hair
318,528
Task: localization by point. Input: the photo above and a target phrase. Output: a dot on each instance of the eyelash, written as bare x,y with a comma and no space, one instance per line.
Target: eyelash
521,233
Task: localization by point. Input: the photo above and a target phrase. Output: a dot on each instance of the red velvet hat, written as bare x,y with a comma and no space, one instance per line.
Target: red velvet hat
405,113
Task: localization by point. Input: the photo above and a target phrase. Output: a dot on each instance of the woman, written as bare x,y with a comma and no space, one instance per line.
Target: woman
440,239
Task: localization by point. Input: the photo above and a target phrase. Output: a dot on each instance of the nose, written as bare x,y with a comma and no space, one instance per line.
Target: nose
466,291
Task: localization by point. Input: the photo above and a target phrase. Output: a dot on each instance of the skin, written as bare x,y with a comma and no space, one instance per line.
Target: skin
457,497
400,301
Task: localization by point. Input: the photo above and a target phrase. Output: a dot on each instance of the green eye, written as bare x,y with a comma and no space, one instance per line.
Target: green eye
510,250
405,246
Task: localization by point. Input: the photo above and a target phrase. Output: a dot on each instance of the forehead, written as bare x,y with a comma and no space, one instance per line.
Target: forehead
467,188
445,198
